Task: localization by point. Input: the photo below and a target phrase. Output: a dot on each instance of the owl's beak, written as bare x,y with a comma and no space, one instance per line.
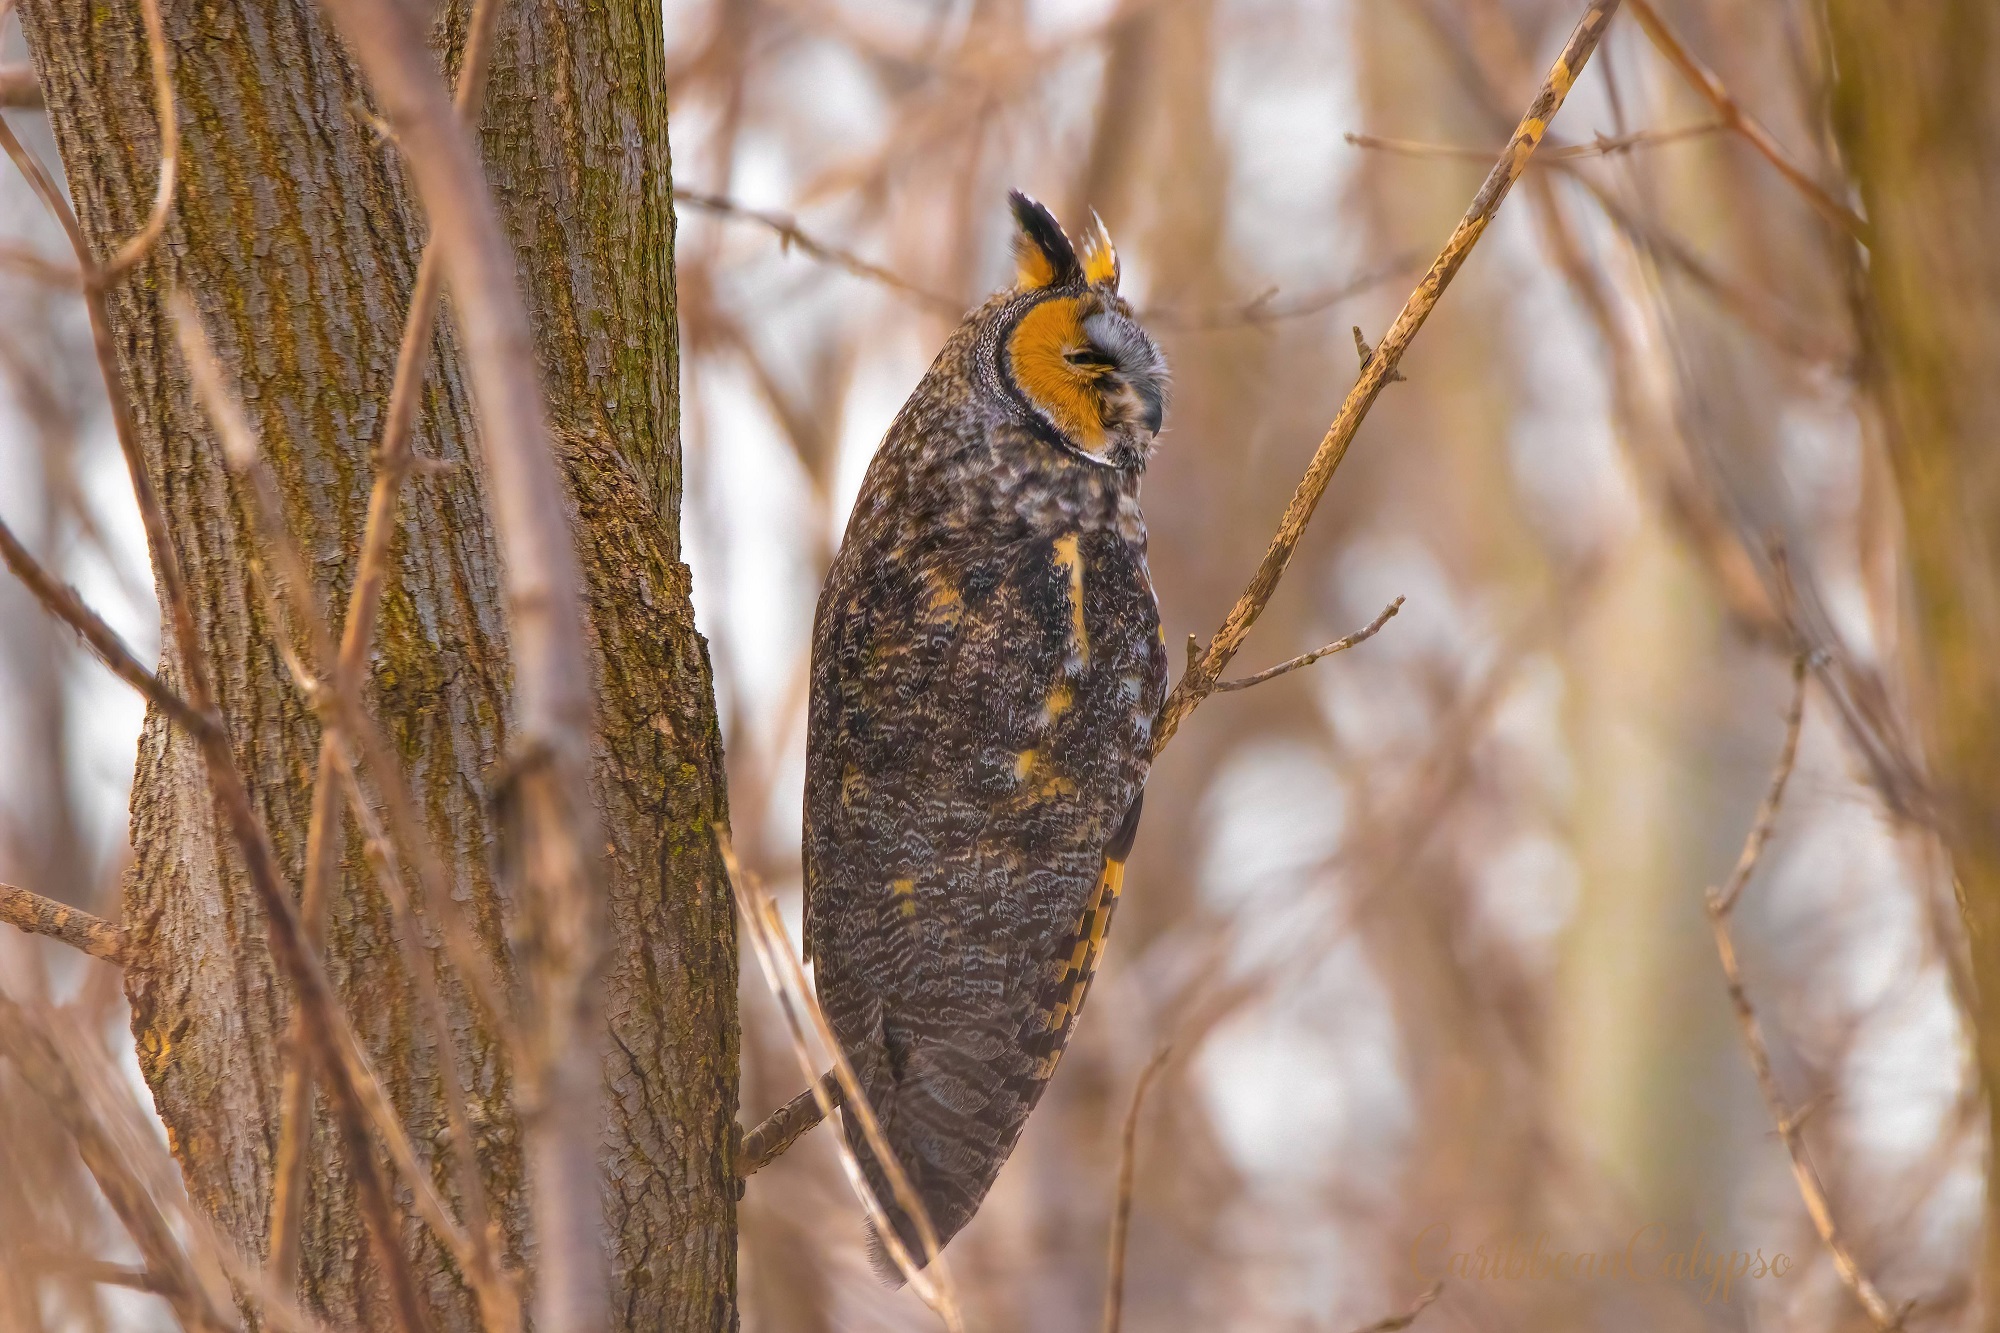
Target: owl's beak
1153,404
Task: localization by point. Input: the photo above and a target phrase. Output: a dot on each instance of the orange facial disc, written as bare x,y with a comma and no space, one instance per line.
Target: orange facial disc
1038,351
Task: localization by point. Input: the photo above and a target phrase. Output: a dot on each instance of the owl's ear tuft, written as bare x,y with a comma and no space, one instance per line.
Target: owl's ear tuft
1043,256
1100,256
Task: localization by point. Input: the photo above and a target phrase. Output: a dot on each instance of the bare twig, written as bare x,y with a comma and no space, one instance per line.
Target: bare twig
1767,809
127,256
62,601
245,460
1366,632
1265,309
178,612
1199,683
28,263
43,1065
18,89
1489,66
781,1129
79,930
1395,1323
499,1298
129,1141
791,236
559,1069
1704,81
1121,1208
92,277
1601,146
1721,903
102,1273
356,1095
795,999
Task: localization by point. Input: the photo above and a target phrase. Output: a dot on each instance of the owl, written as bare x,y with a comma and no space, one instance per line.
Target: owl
987,665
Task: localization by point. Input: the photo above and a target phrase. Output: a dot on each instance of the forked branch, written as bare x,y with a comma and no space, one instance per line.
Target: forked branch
1704,81
791,236
61,601
1721,903
1395,1323
1362,635
1378,371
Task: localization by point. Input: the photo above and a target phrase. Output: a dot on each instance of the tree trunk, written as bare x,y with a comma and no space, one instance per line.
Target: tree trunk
297,236
1918,109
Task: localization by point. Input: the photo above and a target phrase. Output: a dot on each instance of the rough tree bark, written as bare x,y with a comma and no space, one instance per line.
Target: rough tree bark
1917,106
297,235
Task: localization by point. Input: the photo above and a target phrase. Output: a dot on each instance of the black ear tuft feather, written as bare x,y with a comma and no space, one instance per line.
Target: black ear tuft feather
1043,255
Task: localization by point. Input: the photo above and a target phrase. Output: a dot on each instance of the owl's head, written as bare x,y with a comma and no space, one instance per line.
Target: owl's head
1089,379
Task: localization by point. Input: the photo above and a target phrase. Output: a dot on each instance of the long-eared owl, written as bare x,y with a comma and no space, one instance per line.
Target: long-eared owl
987,663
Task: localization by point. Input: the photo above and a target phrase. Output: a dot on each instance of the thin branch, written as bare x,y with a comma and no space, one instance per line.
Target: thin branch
1767,809
1601,146
1395,1323
1760,314
79,930
1121,1209
63,602
782,1128
30,264
1721,903
795,999
1265,309
44,1067
18,89
1199,683
106,1274
245,460
178,614
95,278
1704,81
128,255
791,236
1361,635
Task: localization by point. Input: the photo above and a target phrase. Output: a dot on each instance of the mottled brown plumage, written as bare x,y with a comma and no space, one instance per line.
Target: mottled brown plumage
987,664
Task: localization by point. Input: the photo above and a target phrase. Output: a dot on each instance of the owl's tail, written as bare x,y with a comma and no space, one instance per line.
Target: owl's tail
885,1268
952,1122
948,1203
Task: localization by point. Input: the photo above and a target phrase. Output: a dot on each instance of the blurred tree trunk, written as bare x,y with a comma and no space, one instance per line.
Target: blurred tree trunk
297,235
1918,111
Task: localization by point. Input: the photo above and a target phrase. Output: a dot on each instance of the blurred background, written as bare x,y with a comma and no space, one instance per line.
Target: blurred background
1423,923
